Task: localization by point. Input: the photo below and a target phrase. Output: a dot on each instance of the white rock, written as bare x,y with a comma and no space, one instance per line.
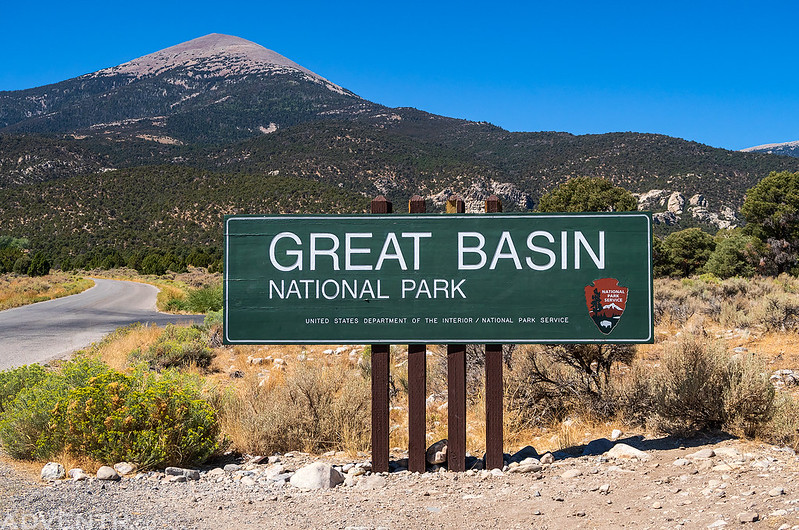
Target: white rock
571,473
702,454
729,453
615,434
52,471
74,471
547,458
372,482
624,451
318,475
107,473
124,468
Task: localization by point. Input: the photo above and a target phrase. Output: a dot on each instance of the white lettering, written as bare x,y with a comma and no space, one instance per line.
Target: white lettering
349,250
580,241
471,250
498,254
391,239
416,236
540,250
296,253
324,252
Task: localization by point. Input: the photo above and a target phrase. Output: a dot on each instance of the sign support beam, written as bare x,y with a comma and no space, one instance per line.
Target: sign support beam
381,360
417,387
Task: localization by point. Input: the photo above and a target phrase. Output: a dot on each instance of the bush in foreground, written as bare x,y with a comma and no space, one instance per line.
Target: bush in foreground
316,408
698,386
87,409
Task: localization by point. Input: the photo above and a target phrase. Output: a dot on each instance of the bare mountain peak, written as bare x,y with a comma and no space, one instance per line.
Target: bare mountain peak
214,54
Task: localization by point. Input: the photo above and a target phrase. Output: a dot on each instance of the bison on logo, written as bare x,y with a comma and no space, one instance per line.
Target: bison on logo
606,300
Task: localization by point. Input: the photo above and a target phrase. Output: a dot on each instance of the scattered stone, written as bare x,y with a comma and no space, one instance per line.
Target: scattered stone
778,513
604,489
52,471
216,472
125,468
318,475
372,482
681,462
615,434
572,473
748,517
74,471
248,481
107,473
232,468
525,468
190,474
624,451
436,453
776,492
732,466
176,478
79,475
657,505
702,454
728,453
547,458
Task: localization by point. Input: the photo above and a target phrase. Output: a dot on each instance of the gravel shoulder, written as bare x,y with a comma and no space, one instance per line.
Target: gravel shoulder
708,483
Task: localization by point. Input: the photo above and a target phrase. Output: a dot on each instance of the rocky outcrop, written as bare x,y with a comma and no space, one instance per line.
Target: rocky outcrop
669,206
479,190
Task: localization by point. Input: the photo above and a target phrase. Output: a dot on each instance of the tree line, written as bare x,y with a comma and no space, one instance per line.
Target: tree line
768,244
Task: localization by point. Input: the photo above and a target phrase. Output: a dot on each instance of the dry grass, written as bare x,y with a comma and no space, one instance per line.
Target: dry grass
16,291
254,399
116,354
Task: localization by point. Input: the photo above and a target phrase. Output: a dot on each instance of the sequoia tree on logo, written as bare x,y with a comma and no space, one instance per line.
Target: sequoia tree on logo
606,300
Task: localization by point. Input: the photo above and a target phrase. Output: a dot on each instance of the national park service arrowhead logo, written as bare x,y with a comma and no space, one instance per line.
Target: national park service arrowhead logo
606,300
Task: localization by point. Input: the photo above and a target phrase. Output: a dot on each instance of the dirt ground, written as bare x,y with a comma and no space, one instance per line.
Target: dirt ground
743,483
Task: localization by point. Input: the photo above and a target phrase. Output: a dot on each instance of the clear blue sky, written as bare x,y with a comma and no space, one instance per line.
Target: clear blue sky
720,73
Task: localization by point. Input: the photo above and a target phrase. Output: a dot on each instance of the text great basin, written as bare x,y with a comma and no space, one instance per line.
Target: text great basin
539,250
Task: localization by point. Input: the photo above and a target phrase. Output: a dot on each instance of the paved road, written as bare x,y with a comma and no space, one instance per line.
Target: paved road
56,328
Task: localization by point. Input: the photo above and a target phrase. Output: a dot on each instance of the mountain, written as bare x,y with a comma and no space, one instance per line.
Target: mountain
216,88
154,151
784,148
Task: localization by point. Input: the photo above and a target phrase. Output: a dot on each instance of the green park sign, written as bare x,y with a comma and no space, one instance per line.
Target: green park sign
487,278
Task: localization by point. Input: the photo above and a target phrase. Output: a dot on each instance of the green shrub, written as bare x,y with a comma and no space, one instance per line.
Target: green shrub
28,416
40,265
177,346
22,265
154,422
204,299
213,319
91,410
12,382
